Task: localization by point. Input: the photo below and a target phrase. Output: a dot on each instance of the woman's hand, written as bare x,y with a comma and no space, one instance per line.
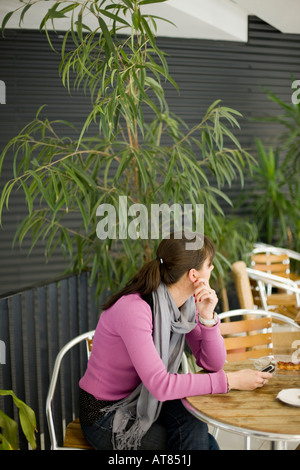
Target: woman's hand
205,298
247,379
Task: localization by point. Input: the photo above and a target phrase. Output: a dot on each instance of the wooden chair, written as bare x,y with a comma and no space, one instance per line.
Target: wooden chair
285,301
255,293
272,264
251,337
242,285
275,260
249,333
74,438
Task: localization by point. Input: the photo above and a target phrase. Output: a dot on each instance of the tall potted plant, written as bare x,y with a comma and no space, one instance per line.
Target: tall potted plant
270,201
130,145
288,145
274,197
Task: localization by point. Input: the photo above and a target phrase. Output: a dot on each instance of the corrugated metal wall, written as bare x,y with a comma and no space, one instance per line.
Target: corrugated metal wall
204,70
34,326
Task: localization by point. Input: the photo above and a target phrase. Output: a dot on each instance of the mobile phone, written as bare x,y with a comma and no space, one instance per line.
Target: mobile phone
269,368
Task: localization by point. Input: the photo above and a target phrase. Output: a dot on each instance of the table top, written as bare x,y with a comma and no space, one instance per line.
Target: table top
257,412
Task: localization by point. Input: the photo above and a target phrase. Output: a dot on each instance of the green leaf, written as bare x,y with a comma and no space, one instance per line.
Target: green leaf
84,214
147,2
5,195
277,100
149,32
125,160
9,435
4,443
27,417
25,9
52,13
5,21
212,106
114,17
28,423
41,186
220,193
28,197
108,39
69,8
79,26
128,3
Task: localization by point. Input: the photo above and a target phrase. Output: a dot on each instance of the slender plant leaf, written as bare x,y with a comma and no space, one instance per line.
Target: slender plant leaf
5,21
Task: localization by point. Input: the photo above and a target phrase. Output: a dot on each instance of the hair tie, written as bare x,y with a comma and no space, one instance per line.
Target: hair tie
160,260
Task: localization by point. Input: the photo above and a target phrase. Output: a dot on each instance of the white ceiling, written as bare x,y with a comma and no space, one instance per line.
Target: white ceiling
203,19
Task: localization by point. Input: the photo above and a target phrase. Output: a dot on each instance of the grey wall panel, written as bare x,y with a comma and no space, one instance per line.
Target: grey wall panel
205,71
34,326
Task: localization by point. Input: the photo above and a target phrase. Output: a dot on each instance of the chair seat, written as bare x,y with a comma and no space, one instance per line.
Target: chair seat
74,437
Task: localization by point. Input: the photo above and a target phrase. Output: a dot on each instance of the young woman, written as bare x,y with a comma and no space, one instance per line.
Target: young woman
130,394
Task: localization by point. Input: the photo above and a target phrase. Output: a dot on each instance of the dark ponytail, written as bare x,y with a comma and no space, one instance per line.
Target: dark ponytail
145,281
172,261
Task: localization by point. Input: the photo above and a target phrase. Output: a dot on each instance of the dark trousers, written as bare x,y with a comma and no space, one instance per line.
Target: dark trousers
175,429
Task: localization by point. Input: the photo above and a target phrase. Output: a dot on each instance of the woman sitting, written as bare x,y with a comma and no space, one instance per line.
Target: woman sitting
130,394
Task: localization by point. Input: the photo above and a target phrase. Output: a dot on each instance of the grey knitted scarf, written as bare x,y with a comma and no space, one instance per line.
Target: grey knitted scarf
140,406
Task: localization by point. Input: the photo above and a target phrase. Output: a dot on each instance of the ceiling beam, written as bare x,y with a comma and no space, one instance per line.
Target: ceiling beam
283,15
201,19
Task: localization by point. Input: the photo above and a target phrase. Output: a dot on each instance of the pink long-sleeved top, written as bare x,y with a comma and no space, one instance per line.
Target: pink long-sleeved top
123,355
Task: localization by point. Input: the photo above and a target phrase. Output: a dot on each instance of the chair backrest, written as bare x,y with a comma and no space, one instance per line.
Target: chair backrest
264,248
247,338
249,332
251,286
242,285
276,260
272,263
262,279
57,365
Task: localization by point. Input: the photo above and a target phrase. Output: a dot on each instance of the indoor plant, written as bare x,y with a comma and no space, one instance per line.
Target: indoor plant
9,427
274,197
130,144
288,144
271,204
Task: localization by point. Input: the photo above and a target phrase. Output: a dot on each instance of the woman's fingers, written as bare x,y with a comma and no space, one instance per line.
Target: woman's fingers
204,292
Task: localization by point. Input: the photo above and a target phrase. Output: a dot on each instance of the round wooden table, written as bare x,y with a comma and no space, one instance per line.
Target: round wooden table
256,413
